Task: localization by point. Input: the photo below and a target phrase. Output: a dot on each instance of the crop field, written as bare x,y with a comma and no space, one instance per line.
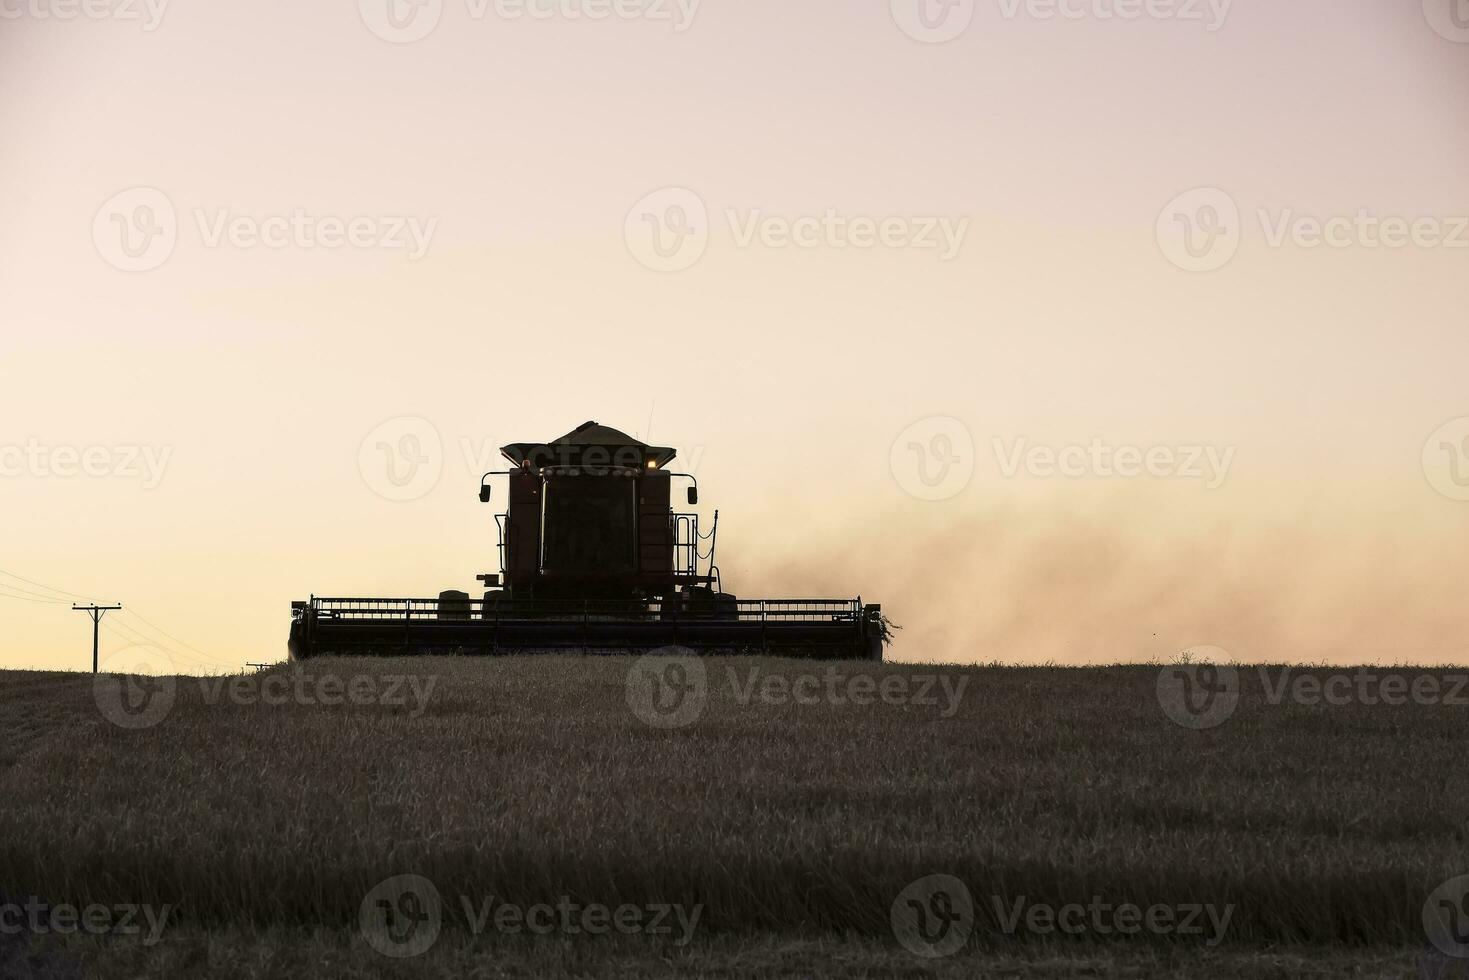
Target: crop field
589,816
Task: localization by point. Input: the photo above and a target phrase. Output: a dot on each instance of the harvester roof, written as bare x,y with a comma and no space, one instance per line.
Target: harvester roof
588,434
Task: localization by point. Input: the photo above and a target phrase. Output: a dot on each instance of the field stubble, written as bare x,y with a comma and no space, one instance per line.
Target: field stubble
530,779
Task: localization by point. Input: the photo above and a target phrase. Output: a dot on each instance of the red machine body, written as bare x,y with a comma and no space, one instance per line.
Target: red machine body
590,515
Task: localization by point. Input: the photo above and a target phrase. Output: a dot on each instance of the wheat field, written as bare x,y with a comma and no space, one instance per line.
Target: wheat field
789,816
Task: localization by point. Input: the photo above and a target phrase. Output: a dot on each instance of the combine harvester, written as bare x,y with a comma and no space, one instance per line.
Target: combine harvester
593,559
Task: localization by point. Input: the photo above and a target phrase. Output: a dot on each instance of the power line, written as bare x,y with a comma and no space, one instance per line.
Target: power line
39,596
207,661
175,639
136,635
43,585
136,638
22,598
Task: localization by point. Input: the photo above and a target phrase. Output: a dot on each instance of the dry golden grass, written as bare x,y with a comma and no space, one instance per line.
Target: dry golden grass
530,779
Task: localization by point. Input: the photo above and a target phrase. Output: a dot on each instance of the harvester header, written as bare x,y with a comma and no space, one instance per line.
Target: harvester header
593,557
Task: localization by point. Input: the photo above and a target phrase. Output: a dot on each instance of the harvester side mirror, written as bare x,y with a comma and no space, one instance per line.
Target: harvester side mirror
484,494
693,496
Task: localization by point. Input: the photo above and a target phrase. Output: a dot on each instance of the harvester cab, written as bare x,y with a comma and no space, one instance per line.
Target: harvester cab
593,557
590,516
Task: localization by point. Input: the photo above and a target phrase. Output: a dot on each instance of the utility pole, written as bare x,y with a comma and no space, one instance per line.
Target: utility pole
96,613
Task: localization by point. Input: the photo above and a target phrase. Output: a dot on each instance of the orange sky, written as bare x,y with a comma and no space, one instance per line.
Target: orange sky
907,306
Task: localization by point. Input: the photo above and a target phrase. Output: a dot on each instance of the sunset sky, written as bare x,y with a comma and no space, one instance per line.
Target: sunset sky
905,303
